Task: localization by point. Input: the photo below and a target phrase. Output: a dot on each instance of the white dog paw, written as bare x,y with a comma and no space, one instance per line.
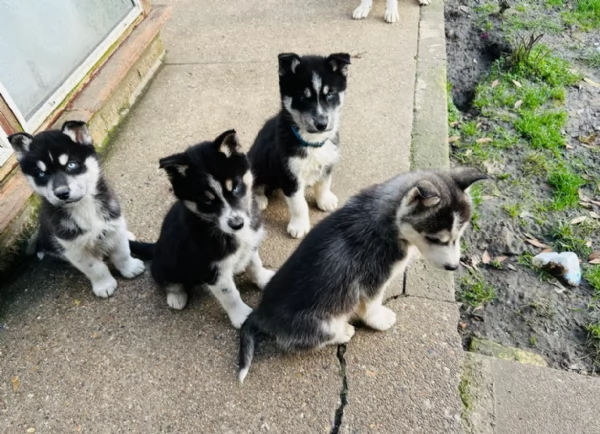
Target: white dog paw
424,2
239,315
327,202
382,320
298,227
133,268
262,202
105,288
362,11
391,16
263,277
177,300
347,334
130,236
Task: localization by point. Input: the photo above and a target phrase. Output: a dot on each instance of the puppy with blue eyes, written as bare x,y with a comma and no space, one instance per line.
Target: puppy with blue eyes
214,229
80,217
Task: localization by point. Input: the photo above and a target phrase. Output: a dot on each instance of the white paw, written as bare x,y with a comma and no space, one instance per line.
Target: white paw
263,277
133,268
105,288
391,16
361,12
382,319
298,227
262,201
346,334
327,202
424,2
130,236
239,315
177,300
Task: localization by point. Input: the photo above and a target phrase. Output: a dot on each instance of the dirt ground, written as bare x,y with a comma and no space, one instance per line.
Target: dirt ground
530,310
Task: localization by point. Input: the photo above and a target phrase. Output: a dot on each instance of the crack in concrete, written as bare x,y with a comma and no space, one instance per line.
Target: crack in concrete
339,412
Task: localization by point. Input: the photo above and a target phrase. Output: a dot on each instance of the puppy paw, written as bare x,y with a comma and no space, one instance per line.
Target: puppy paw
239,315
382,319
298,228
391,16
346,334
130,236
177,300
263,277
424,2
105,287
133,268
327,202
362,11
262,201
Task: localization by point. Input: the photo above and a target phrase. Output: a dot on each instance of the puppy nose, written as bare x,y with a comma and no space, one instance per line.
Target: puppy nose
236,223
321,124
62,194
451,267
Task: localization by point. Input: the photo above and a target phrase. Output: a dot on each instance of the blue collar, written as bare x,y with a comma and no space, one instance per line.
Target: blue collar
304,142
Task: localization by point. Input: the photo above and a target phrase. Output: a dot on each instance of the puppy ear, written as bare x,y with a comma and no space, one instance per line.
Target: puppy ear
465,176
339,62
424,193
228,143
78,132
174,165
288,62
20,142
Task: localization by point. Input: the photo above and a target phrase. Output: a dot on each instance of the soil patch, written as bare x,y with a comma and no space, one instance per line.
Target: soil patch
531,310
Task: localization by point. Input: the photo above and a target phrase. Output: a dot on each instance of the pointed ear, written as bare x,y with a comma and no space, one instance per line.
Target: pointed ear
20,142
228,144
465,176
424,193
288,62
339,62
174,164
78,132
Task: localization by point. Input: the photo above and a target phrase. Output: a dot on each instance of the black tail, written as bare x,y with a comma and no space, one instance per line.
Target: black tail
247,344
142,250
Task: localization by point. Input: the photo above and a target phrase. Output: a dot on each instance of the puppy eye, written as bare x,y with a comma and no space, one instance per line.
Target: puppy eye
41,174
237,189
433,240
72,165
303,98
329,96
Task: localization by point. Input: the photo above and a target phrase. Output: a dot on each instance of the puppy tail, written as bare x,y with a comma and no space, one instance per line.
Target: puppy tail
248,335
142,250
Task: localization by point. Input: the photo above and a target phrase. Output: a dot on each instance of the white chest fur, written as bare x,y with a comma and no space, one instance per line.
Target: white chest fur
249,241
312,168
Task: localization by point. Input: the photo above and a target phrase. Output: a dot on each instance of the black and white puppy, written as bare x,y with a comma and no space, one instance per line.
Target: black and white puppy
298,148
340,271
213,231
80,217
391,10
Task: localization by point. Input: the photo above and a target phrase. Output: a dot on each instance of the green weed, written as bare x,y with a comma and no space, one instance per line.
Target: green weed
592,60
592,275
566,187
535,164
512,210
554,2
474,291
586,13
543,128
567,240
593,339
533,340
469,129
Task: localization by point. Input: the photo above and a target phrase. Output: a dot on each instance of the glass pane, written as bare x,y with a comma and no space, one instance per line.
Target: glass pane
43,42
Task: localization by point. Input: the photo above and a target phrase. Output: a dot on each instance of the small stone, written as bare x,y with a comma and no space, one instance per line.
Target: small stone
30,430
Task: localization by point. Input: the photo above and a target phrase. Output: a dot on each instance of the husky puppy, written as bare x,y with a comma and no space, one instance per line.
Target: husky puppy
391,10
298,148
340,271
213,231
80,218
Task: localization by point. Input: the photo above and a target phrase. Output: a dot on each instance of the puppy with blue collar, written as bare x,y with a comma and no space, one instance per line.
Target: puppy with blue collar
299,147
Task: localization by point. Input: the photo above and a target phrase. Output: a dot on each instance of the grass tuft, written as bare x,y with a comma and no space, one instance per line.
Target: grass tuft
543,128
474,291
566,187
567,240
592,275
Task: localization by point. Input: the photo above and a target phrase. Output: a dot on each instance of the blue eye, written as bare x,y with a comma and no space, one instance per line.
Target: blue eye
329,96
72,165
238,188
41,174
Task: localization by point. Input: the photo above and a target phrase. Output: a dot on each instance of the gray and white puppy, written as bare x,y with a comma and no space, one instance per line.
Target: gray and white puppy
340,271
80,217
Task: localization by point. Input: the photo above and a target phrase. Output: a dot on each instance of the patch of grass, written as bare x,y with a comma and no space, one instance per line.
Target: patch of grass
592,60
543,128
586,14
512,210
474,291
592,275
533,340
566,185
469,129
567,240
476,197
539,63
593,339
554,2
525,260
453,112
535,164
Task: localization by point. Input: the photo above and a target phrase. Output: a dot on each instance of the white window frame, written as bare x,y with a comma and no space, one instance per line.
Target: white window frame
69,84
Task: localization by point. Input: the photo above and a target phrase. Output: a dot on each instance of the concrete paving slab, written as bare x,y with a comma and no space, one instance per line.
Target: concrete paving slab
405,380
423,280
508,397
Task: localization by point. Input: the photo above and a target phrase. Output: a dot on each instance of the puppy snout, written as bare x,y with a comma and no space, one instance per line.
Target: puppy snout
62,193
236,223
451,267
321,124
